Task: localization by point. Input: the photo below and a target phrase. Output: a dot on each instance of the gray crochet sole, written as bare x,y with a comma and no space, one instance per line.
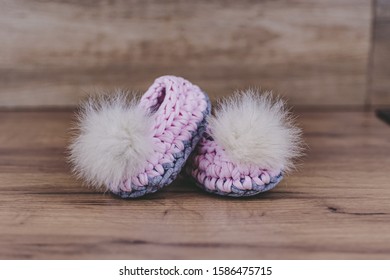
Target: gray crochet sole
172,169
256,189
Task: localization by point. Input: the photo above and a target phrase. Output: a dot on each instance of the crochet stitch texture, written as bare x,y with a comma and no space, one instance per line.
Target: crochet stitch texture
214,172
179,111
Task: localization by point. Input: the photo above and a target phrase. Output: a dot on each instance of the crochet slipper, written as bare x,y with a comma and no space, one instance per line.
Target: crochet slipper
248,146
133,148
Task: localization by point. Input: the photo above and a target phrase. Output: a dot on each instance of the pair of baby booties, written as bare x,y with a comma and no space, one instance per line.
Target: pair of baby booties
135,147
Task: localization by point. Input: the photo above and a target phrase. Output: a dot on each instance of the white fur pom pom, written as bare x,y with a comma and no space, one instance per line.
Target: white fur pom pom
113,140
254,128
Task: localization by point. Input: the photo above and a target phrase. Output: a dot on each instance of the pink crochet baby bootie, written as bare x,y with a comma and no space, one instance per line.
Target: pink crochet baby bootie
133,148
250,143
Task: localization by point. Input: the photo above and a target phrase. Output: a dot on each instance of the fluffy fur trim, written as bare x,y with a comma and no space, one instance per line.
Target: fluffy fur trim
255,128
113,140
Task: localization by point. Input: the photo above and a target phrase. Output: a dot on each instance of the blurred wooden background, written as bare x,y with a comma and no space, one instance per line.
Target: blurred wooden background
314,52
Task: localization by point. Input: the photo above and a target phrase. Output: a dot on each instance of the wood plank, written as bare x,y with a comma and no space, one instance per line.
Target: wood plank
336,206
313,52
382,10
380,82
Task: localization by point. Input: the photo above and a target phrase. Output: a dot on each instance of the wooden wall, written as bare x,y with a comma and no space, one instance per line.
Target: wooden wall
314,52
380,70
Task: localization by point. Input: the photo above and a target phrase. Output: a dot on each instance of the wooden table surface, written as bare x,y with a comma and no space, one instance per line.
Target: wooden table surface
336,206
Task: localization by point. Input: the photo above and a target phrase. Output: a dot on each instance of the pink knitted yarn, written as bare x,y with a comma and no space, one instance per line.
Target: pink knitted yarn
216,173
177,107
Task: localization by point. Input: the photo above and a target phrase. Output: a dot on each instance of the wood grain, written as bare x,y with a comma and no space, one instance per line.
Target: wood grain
336,206
380,72
311,51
